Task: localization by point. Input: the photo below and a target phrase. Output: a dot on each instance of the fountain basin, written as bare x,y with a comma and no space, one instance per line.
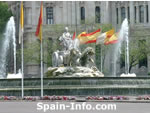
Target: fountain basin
78,86
11,76
128,75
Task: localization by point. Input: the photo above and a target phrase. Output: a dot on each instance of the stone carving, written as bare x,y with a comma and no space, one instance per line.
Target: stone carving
66,40
73,58
73,72
70,54
86,57
70,61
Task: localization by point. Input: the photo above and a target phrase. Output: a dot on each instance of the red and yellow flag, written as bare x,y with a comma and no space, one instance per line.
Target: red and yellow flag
109,37
74,36
112,40
21,16
39,27
104,36
21,25
90,41
110,33
86,37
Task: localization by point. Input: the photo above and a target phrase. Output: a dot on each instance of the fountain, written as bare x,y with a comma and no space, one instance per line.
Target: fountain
71,62
123,36
72,74
9,36
117,48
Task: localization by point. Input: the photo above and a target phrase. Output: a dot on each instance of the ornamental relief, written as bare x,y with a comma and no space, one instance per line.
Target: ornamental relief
81,3
97,3
49,4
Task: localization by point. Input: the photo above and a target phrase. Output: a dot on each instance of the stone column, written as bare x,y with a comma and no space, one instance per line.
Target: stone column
78,12
114,16
57,13
137,13
33,12
145,16
132,13
44,15
102,12
126,11
90,11
119,15
72,12
149,12
75,13
107,13
65,18
69,5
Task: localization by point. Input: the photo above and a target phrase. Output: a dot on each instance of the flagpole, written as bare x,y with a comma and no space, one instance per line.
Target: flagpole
41,68
22,68
21,41
101,60
42,52
38,33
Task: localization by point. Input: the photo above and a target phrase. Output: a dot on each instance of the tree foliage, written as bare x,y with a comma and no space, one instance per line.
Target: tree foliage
137,52
5,14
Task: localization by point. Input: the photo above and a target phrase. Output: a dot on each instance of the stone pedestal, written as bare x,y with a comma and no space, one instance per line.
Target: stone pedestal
73,72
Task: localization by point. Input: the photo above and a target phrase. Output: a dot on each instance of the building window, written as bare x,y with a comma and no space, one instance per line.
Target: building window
141,13
49,15
97,14
129,14
123,14
82,15
135,13
142,48
147,19
117,15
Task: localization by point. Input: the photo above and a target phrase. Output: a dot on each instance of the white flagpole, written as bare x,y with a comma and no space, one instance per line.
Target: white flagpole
41,67
101,60
22,68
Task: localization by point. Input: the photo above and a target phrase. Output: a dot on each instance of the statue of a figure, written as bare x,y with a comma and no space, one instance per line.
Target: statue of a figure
62,57
71,62
66,40
70,54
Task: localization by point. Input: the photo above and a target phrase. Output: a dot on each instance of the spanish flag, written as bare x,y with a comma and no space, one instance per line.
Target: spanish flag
86,37
39,27
74,36
21,26
21,16
104,37
112,40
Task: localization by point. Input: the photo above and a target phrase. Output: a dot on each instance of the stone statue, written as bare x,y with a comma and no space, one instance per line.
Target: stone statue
74,58
70,61
86,57
66,40
70,53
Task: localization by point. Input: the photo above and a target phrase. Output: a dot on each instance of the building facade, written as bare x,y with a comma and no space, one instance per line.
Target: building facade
77,13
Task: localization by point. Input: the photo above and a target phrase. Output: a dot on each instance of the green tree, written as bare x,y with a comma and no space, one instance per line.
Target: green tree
5,14
137,52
